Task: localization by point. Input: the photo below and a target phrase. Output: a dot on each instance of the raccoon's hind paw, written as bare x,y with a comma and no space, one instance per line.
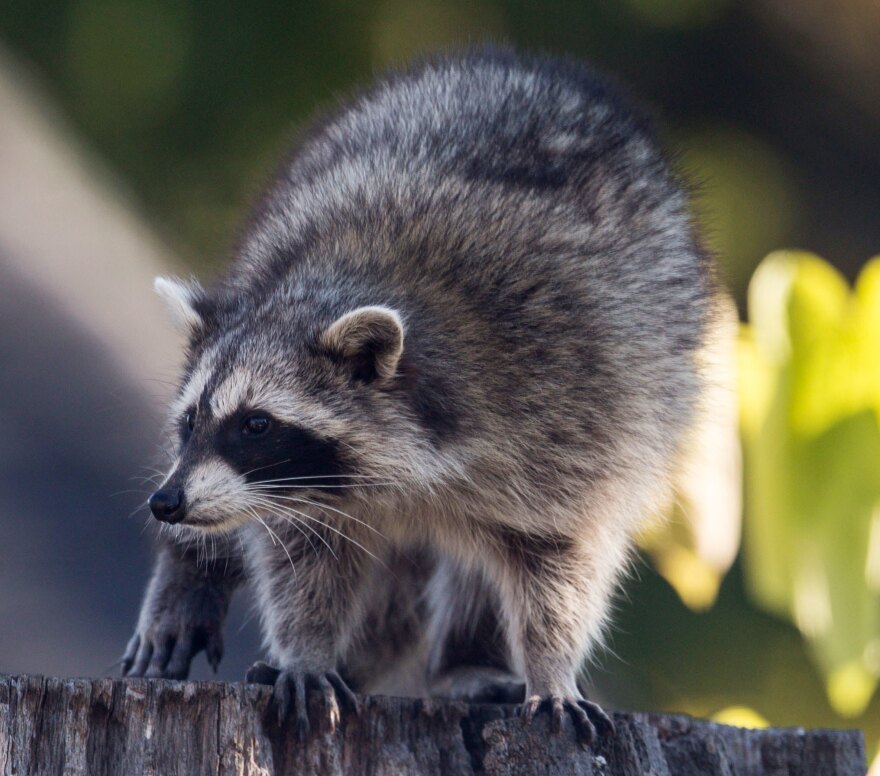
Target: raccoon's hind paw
261,673
290,690
585,715
478,684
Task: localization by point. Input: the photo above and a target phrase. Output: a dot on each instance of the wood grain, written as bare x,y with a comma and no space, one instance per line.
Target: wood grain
109,726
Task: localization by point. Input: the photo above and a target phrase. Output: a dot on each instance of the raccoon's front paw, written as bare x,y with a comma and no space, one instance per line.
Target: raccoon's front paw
585,715
173,635
166,654
290,689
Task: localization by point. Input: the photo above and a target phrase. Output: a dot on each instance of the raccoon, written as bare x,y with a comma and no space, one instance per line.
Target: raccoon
425,410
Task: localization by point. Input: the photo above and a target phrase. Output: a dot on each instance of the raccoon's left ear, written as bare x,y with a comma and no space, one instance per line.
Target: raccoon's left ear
187,302
367,341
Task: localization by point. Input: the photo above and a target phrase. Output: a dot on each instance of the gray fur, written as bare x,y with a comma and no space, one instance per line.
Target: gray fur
517,220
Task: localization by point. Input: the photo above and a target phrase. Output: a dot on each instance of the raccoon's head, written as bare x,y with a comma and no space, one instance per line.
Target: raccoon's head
282,403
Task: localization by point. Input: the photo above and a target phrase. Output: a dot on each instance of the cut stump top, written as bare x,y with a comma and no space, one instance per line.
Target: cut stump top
111,726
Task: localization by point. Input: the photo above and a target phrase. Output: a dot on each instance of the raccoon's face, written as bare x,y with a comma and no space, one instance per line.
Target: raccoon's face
264,424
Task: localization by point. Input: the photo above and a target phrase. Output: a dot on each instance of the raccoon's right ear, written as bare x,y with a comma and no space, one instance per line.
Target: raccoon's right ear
367,342
187,302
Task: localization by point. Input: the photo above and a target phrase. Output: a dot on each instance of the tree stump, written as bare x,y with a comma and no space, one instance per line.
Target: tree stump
131,727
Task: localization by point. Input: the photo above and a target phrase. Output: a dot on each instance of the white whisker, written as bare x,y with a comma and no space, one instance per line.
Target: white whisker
267,466
287,510
274,537
299,500
341,534
266,504
269,484
324,477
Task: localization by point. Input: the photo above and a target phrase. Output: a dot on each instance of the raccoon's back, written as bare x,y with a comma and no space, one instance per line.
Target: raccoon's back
521,217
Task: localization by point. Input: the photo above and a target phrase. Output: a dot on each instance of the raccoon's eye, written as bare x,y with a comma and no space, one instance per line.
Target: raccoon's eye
189,420
255,425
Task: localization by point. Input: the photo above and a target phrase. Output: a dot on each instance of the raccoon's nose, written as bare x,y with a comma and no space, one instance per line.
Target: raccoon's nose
167,505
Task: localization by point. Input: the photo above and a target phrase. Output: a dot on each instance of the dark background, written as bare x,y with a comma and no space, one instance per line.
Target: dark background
775,104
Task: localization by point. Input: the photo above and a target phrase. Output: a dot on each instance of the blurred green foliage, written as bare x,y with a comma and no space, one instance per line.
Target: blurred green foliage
810,397
738,180
193,102
808,393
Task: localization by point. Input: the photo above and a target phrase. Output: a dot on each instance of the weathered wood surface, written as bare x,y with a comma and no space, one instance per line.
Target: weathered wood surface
108,726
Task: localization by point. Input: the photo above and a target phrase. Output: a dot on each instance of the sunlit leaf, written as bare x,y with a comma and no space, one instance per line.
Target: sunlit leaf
868,324
813,462
740,716
874,770
850,688
756,383
694,549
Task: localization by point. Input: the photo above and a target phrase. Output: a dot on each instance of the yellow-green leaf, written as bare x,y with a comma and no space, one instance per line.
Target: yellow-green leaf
810,393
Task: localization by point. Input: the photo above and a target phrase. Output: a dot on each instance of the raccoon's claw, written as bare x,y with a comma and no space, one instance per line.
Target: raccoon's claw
599,716
167,655
130,653
585,715
289,694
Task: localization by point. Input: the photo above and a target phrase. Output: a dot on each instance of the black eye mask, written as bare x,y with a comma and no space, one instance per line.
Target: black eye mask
262,448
